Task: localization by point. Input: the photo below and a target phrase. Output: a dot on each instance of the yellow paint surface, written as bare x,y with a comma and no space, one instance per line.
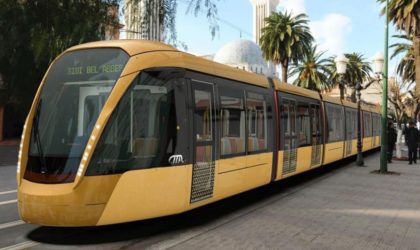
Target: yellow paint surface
367,144
333,152
61,205
234,178
148,193
279,165
303,162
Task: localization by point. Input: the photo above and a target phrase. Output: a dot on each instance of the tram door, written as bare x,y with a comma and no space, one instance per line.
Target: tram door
204,141
288,132
316,135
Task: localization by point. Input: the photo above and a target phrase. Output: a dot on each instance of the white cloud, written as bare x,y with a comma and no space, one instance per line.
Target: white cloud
294,6
331,32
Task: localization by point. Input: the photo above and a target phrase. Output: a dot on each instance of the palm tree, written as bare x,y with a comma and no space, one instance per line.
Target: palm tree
405,14
405,68
358,71
312,71
285,39
397,97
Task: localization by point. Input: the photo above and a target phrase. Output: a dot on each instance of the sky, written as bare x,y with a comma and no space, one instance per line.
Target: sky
338,26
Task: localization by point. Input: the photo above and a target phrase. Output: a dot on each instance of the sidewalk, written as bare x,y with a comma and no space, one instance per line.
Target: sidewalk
348,208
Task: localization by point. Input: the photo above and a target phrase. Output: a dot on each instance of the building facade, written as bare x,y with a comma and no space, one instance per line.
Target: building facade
261,9
142,20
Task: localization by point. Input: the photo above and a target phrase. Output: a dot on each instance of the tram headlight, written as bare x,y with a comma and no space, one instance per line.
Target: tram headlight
19,159
80,171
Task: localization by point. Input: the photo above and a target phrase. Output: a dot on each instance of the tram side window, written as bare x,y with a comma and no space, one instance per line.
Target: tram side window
304,124
374,125
349,127
144,129
316,124
351,124
232,122
203,115
285,118
335,123
354,122
257,122
367,121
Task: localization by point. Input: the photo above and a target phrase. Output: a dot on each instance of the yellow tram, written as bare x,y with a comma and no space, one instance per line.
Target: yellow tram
129,130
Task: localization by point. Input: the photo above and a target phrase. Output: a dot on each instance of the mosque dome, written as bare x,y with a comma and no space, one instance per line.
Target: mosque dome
243,54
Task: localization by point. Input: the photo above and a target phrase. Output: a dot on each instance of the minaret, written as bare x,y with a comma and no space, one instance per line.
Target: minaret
260,10
140,24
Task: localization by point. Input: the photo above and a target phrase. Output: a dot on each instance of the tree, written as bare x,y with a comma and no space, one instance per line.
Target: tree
358,71
35,32
405,68
167,15
397,98
312,72
285,39
405,14
401,103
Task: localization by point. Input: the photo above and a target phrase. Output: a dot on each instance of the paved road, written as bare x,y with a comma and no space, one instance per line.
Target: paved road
8,155
336,207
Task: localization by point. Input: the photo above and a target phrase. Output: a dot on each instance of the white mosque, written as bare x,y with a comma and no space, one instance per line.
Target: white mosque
241,53
246,54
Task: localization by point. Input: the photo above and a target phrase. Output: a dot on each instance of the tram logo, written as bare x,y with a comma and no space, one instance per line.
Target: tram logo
176,159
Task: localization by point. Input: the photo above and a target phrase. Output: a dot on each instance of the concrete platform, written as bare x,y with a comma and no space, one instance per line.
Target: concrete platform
351,208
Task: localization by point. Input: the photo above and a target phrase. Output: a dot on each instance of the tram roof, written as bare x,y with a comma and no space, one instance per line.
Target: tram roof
327,98
132,47
374,109
349,104
221,70
289,88
188,61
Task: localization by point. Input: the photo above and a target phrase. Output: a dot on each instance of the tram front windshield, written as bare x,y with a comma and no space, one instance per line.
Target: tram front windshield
76,88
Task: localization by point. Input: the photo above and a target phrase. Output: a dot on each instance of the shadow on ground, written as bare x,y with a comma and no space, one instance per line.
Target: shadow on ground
144,230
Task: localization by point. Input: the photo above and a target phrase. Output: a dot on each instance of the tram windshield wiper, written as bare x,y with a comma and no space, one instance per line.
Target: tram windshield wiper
38,138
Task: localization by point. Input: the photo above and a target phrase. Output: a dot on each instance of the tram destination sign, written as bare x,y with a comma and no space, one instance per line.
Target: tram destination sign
94,69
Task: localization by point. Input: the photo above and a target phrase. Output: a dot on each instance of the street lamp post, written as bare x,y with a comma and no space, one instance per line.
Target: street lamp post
384,137
341,64
379,61
359,159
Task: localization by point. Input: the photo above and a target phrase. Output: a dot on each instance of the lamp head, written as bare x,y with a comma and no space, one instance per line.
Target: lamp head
378,62
341,62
